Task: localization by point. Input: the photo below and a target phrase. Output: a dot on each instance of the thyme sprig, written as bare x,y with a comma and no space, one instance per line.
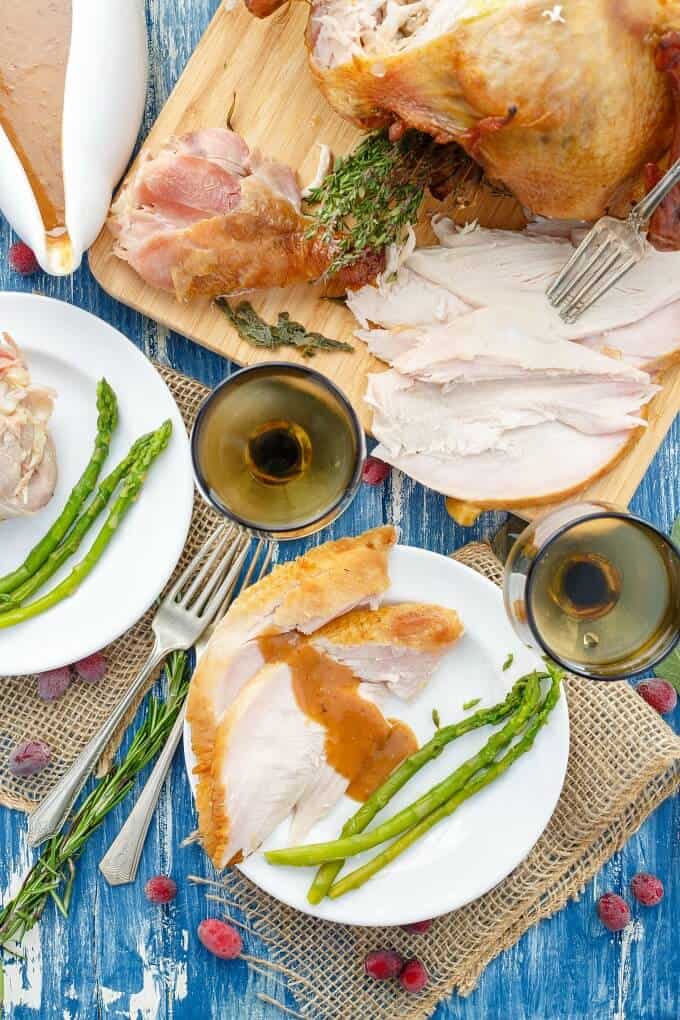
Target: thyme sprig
286,333
53,874
374,194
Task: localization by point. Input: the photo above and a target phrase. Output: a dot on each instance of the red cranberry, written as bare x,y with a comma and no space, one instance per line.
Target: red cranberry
383,964
647,889
613,911
414,976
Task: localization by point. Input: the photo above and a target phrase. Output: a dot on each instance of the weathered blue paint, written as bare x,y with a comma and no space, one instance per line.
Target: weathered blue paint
117,957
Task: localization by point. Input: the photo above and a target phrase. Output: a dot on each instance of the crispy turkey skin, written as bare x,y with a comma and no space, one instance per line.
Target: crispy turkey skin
564,104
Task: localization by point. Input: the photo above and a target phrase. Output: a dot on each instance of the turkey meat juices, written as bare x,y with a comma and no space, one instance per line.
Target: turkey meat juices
35,37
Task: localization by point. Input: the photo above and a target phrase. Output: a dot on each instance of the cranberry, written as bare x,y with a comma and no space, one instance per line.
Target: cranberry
53,684
414,976
28,758
383,964
220,938
613,911
160,889
417,927
92,668
659,694
647,889
374,471
22,259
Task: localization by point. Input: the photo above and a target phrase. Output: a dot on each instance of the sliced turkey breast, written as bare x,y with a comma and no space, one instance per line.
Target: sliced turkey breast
408,298
294,738
299,596
399,646
485,345
28,461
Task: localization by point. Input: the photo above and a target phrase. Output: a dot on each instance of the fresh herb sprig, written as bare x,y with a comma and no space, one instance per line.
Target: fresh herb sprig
52,875
286,333
374,194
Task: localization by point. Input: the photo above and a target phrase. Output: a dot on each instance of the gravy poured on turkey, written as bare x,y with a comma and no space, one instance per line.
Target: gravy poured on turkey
34,42
360,743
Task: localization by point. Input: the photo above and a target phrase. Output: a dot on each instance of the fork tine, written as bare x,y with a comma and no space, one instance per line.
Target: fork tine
221,550
563,280
194,564
591,256
215,579
572,314
575,298
211,604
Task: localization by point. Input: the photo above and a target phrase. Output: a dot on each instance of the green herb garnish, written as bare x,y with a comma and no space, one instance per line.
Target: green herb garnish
509,661
286,333
471,704
435,718
374,194
53,873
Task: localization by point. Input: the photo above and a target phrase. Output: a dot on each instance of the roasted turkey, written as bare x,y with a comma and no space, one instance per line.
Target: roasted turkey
28,462
562,103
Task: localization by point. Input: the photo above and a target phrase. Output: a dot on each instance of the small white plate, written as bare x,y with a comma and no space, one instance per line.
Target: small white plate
70,350
490,834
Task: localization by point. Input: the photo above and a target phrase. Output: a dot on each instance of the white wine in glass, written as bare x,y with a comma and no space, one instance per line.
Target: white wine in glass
596,589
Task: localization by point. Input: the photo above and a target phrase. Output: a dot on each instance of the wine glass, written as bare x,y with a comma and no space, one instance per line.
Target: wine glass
596,589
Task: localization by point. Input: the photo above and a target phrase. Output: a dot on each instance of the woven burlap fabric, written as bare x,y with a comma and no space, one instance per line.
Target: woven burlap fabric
68,724
623,762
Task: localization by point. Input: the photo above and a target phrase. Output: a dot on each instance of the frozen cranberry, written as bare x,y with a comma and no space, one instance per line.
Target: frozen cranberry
53,684
383,964
374,471
414,976
613,911
220,938
418,927
659,694
160,889
92,668
22,259
28,758
647,889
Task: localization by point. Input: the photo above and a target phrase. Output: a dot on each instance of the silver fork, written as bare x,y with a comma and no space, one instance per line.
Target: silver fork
120,863
187,609
606,253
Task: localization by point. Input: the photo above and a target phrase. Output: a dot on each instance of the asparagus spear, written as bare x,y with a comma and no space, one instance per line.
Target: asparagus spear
128,493
359,876
318,853
73,540
327,873
107,406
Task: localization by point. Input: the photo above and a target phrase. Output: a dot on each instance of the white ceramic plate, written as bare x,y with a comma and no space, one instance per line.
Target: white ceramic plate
490,834
70,350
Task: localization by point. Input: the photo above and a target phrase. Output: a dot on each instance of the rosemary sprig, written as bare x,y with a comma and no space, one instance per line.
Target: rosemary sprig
373,195
286,333
53,874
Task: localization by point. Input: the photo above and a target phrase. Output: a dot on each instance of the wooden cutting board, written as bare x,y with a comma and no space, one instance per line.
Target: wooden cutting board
280,110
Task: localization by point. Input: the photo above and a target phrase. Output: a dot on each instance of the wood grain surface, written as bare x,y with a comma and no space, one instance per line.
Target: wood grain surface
117,957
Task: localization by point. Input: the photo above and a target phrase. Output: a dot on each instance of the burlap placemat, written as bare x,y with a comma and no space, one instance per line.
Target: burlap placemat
68,724
623,761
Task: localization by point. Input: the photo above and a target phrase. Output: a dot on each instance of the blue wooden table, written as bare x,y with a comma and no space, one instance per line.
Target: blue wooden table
117,957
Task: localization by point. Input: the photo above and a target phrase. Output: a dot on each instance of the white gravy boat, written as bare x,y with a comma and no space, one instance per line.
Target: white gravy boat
104,97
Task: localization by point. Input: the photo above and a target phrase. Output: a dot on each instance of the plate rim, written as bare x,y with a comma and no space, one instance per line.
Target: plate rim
187,486
502,873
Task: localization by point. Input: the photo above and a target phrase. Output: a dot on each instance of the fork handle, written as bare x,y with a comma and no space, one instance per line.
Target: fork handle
651,202
52,812
120,862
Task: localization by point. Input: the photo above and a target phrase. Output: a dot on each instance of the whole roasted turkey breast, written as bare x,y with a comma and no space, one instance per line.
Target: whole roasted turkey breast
562,103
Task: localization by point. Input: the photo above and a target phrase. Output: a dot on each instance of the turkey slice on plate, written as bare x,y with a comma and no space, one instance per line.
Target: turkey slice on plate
273,756
303,595
397,645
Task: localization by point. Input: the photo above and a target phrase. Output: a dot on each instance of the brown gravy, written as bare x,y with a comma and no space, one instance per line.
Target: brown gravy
34,42
360,743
